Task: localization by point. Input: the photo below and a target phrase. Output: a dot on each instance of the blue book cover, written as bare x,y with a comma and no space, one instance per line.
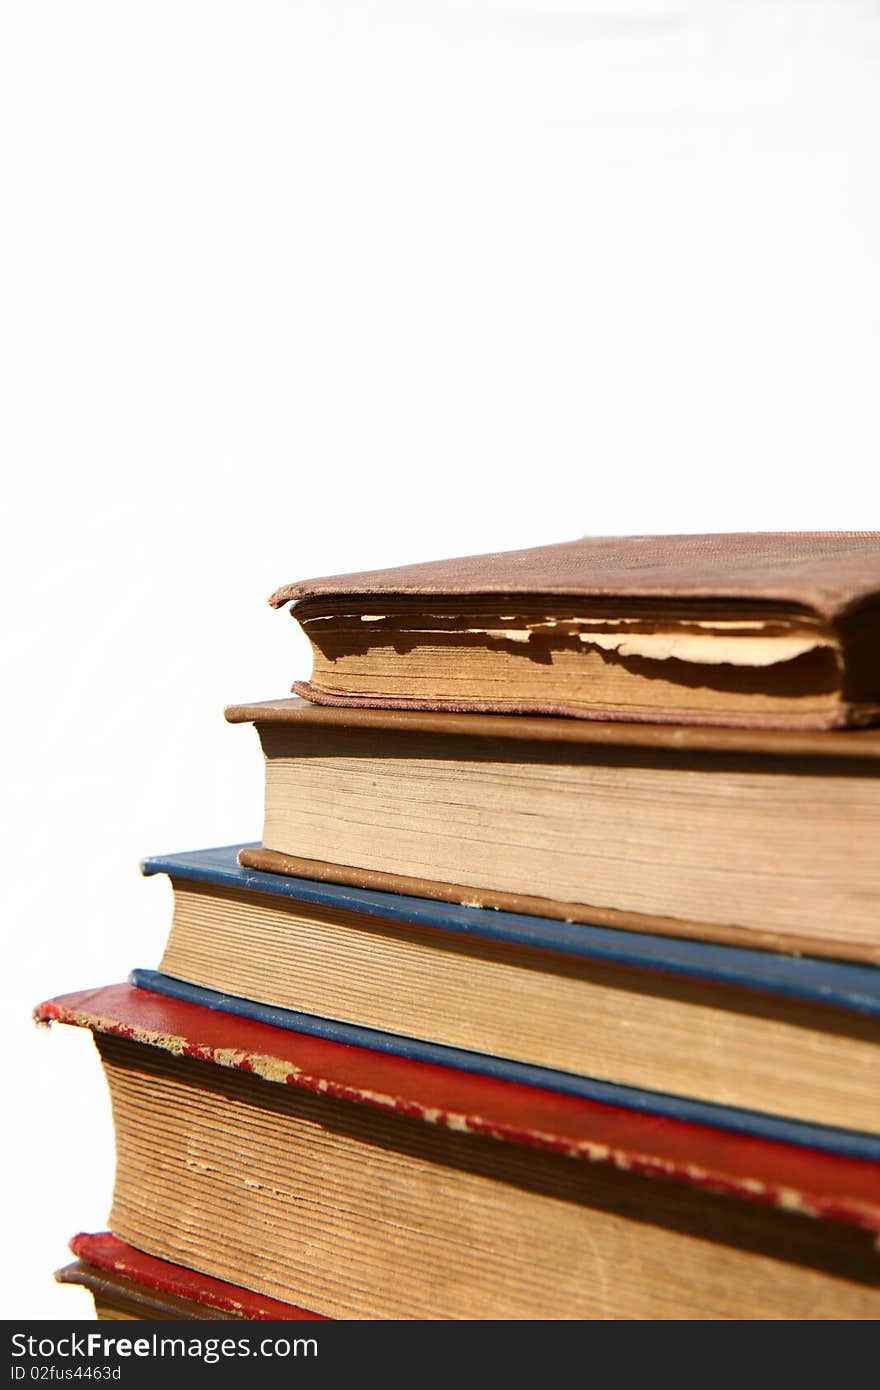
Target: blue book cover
837,984
825,1137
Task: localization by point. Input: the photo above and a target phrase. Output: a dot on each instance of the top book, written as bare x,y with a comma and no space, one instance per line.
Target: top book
754,629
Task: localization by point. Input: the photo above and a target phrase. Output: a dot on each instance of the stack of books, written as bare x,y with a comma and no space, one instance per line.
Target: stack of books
552,988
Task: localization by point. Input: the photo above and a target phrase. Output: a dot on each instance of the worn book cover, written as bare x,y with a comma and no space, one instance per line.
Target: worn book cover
760,629
369,1185
127,1283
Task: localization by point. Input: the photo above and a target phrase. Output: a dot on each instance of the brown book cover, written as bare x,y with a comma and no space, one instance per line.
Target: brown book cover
757,629
117,1297
751,837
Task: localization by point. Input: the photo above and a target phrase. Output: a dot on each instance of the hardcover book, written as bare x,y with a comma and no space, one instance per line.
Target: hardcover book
753,629
126,1284
753,838
779,1034
382,1187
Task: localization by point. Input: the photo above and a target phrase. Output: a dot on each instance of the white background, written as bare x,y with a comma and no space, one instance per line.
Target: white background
294,288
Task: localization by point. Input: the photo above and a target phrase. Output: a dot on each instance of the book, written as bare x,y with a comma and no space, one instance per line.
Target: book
753,838
382,1187
753,629
663,1105
127,1284
778,1034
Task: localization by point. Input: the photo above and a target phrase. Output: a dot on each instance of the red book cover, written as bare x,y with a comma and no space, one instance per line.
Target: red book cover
102,1251
793,1177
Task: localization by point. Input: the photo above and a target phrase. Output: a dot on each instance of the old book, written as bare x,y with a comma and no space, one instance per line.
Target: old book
777,1034
126,1284
753,629
754,838
662,1105
119,1299
380,1187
